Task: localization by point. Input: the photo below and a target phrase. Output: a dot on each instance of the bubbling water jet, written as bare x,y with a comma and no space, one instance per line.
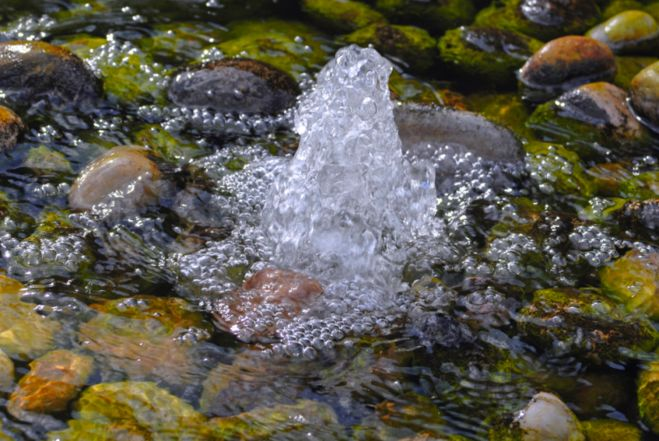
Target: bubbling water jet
349,201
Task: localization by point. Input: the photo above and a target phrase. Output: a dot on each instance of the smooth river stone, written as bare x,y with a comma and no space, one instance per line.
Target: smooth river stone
567,62
33,70
419,126
124,169
547,418
235,85
645,94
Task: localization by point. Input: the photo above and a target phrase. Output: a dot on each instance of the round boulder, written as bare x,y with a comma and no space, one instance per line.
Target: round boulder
125,172
565,63
547,418
645,94
11,127
235,85
34,70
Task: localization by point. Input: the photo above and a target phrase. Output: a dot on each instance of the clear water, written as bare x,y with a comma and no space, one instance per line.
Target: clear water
385,342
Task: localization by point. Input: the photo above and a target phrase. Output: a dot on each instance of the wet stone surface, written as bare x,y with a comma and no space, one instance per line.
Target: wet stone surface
565,63
218,222
238,85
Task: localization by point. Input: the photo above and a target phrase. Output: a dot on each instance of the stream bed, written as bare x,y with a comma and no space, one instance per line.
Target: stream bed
225,220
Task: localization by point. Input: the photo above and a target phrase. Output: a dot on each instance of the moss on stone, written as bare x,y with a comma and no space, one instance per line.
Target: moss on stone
437,16
341,15
414,46
486,53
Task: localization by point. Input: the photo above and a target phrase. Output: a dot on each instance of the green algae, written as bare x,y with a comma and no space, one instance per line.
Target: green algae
341,15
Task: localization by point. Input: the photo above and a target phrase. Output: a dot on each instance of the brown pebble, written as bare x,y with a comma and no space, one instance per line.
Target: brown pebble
11,127
567,62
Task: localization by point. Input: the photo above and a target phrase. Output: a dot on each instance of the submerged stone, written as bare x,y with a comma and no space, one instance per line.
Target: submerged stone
634,280
235,86
304,419
285,291
482,52
44,161
407,89
412,45
436,16
547,418
53,381
341,15
565,63
648,395
24,334
641,214
610,430
6,372
31,71
132,411
629,32
584,324
11,127
124,173
645,94
129,336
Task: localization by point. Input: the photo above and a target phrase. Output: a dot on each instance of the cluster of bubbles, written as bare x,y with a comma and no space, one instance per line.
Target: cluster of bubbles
176,119
28,28
45,257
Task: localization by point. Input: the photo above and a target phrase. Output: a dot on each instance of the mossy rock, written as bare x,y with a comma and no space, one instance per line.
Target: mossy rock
558,168
24,334
414,46
642,186
628,66
305,418
408,89
541,20
13,219
653,10
648,396
585,324
130,76
129,336
44,161
593,114
341,15
486,53
505,109
290,46
610,430
132,410
633,280
166,145
436,16
179,42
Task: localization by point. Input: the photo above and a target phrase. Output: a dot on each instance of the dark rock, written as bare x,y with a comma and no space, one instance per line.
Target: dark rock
568,15
645,94
419,126
235,85
642,214
565,63
31,71
11,127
